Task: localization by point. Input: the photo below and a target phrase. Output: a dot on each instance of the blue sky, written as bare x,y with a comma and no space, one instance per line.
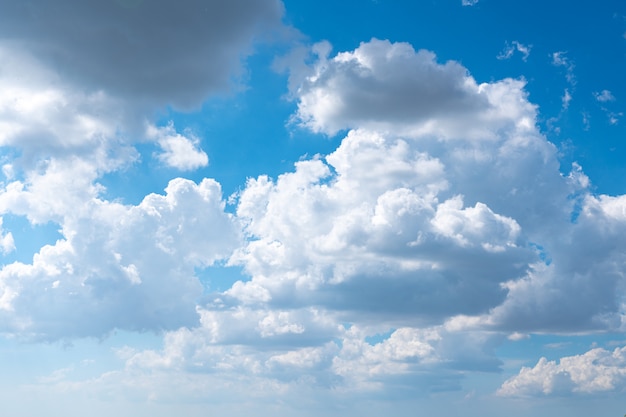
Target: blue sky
306,208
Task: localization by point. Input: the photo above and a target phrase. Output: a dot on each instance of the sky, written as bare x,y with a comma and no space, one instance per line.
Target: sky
304,208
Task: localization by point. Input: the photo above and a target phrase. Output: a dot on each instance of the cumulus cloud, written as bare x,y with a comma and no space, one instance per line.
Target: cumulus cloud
80,81
407,227
97,269
7,243
420,222
595,371
376,227
179,151
441,222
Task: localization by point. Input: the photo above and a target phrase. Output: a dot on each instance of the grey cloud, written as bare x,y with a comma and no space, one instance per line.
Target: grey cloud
382,83
171,52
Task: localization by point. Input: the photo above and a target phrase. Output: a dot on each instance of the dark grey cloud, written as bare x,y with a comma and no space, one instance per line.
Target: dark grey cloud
174,52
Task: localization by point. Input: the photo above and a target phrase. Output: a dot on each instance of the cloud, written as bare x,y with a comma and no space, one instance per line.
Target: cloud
560,59
178,151
97,269
156,52
391,87
596,371
7,243
409,206
566,99
469,2
439,226
510,49
78,88
604,96
377,227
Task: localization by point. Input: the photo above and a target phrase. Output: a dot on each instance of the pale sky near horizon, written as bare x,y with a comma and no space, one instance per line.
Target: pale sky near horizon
304,208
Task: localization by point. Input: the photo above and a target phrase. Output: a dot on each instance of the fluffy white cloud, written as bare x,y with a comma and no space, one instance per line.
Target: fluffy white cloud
442,220
380,85
595,371
126,267
494,163
582,287
7,244
179,151
376,226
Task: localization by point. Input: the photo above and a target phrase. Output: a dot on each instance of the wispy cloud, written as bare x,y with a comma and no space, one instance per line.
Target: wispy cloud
511,48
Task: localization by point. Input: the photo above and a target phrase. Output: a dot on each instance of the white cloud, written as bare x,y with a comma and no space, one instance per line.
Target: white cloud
510,49
7,243
469,2
381,83
179,151
97,269
581,289
604,96
432,222
560,59
566,99
595,371
351,223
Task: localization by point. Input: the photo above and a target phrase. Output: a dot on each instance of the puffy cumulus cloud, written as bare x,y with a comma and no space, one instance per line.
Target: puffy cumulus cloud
7,244
445,241
179,151
392,87
159,51
595,371
126,267
374,229
418,219
582,288
442,222
497,186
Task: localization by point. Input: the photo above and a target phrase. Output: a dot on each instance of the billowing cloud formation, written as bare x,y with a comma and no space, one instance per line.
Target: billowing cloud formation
126,267
377,227
78,85
595,371
401,258
178,151
155,51
440,224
